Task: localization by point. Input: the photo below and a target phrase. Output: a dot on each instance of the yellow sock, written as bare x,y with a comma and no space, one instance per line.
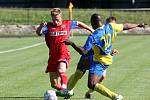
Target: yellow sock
105,91
74,79
90,90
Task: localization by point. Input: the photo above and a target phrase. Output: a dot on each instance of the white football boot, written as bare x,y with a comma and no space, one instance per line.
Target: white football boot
119,97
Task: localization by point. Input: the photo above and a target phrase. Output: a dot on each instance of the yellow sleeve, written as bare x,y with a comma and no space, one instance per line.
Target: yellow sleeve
117,27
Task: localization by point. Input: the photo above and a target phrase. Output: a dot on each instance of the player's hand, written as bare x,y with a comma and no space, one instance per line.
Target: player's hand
142,25
39,28
114,52
42,24
92,30
68,42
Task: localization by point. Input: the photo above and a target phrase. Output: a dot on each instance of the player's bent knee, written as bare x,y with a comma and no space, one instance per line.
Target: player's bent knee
62,67
101,79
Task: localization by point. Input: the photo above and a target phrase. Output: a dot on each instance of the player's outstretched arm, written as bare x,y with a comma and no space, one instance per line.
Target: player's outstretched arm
79,49
128,26
38,30
82,25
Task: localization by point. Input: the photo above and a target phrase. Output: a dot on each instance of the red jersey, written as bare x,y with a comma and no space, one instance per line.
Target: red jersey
56,35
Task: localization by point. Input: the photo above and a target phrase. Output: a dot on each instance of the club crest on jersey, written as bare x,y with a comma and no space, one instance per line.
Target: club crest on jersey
58,33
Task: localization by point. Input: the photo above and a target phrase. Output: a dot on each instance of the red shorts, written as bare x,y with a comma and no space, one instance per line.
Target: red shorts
53,62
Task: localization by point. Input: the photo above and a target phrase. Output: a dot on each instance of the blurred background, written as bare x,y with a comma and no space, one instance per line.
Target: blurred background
76,3
15,15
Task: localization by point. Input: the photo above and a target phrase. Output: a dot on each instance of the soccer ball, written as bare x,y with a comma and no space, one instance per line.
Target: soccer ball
50,95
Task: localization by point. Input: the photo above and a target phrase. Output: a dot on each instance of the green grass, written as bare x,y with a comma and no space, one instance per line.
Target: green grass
22,72
36,16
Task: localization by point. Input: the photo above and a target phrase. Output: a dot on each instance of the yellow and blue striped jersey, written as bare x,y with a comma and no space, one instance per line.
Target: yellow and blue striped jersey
101,42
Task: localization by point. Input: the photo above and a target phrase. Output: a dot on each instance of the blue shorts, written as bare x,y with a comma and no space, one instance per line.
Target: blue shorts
97,68
84,63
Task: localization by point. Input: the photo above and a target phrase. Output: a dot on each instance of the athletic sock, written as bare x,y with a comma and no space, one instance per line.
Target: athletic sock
58,87
105,91
64,80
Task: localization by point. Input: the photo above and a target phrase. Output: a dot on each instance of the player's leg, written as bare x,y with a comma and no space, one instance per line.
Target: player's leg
94,84
88,94
54,80
106,92
82,66
95,74
53,74
75,77
62,67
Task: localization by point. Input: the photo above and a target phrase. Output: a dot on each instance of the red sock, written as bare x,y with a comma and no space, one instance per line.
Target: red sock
59,87
64,80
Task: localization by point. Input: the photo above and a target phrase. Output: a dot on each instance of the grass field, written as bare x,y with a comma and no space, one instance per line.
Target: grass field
22,72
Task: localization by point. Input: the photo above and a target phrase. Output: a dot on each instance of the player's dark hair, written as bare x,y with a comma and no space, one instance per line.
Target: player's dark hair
110,19
96,21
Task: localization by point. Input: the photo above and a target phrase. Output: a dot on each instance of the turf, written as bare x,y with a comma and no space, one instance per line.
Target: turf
22,72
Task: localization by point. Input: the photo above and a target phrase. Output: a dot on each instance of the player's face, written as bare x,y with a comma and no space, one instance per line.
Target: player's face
113,21
57,20
96,22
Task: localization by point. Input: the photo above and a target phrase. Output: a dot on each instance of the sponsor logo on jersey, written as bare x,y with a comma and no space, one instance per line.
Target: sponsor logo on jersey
58,33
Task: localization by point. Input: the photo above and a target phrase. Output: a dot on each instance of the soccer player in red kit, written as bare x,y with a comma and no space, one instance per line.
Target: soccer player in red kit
55,33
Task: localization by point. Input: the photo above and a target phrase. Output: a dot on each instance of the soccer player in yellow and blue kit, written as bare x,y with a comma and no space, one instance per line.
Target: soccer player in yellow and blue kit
86,59
101,43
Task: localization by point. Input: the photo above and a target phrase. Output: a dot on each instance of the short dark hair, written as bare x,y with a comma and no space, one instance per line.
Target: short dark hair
111,18
95,21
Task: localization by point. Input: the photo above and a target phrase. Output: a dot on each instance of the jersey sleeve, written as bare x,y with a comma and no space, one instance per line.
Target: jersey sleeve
44,30
117,27
89,43
74,24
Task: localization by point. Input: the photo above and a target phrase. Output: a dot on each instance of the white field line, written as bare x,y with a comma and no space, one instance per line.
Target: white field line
23,48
